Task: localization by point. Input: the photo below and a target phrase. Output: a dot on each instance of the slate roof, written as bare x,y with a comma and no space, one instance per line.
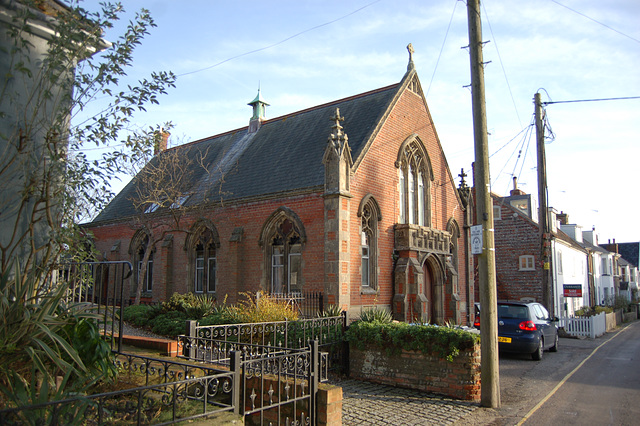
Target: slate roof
587,245
630,252
284,155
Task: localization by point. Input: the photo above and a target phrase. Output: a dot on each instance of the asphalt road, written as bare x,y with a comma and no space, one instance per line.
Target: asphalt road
605,390
594,382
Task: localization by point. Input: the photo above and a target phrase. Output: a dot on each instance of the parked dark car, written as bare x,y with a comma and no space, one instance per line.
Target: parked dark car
525,327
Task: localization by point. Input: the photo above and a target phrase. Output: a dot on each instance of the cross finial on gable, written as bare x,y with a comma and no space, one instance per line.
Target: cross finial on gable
462,175
411,51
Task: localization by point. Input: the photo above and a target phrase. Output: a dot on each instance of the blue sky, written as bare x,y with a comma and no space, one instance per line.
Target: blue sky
305,53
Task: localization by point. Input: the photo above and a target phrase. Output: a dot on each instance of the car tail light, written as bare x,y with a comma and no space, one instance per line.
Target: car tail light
527,326
476,323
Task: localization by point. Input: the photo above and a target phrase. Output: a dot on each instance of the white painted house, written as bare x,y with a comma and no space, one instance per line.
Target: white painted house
570,270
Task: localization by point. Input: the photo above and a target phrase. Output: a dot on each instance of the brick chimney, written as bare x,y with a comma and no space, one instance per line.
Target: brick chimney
563,218
160,144
515,190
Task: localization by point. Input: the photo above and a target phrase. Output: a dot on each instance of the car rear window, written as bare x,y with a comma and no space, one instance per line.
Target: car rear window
513,312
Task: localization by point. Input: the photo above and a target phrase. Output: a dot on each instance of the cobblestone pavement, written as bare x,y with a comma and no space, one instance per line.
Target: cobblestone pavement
365,403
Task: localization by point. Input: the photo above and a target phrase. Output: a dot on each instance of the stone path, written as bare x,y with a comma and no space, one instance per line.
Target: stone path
365,403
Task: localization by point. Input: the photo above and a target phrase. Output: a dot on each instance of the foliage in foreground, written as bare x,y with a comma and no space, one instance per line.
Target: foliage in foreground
54,106
444,342
48,347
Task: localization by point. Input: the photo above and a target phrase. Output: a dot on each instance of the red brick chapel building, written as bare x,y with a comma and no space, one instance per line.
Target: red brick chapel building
353,198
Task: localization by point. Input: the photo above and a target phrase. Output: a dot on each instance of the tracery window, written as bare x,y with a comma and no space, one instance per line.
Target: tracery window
202,245
285,246
369,213
205,266
414,176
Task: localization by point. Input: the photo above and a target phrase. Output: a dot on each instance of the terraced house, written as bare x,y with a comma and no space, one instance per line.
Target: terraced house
353,198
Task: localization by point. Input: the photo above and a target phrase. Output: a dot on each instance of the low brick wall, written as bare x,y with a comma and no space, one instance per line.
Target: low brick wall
415,370
165,347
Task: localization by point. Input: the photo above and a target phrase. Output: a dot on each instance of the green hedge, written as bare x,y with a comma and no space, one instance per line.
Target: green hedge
445,342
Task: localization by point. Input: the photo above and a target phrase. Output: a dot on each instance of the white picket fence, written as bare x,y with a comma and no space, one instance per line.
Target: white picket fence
591,327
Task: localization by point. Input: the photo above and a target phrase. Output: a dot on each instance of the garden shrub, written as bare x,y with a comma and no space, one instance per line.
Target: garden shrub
221,314
201,305
376,315
137,315
621,302
168,319
84,335
445,342
266,309
179,302
41,334
592,311
331,311
169,324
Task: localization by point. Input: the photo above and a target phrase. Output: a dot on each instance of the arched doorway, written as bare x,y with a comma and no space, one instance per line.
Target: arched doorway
434,289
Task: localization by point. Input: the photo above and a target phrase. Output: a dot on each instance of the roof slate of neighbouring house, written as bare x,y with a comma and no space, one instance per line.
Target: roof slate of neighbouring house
284,155
630,252
587,245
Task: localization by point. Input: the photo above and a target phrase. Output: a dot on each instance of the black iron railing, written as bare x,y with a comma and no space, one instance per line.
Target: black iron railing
309,304
159,403
213,343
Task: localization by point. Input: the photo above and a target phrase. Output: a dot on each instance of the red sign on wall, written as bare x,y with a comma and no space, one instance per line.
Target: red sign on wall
572,290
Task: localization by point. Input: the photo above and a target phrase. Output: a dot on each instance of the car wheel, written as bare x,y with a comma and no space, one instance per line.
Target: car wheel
554,348
537,355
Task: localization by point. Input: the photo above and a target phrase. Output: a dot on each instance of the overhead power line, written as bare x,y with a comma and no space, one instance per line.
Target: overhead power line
504,72
597,22
281,41
591,100
441,48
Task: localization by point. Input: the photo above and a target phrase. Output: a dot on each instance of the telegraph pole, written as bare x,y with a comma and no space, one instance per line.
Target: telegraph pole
543,208
490,373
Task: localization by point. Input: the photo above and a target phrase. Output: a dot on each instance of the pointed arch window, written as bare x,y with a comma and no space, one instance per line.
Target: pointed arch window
286,258
140,242
370,215
202,245
415,174
453,261
282,240
206,263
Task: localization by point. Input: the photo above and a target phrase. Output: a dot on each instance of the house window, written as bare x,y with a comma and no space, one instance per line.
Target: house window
365,264
527,263
202,244
411,198
369,213
286,259
402,189
414,195
420,200
205,264
497,213
559,262
152,208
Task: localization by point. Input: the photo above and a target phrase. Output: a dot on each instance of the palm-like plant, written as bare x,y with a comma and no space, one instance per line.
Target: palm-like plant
43,335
